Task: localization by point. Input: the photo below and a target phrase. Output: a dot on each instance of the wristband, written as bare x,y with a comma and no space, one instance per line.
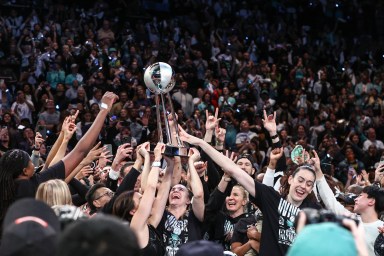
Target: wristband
227,179
104,106
156,164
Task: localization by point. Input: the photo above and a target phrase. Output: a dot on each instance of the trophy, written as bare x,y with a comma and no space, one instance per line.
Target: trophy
159,79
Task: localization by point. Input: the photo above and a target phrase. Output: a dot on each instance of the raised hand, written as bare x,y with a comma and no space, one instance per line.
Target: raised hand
269,123
200,167
315,161
69,128
276,154
142,150
123,151
232,156
158,151
109,98
38,140
220,134
74,117
104,158
86,171
184,136
212,121
194,155
93,154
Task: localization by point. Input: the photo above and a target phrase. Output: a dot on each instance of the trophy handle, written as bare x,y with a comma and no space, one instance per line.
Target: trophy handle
168,130
159,128
179,142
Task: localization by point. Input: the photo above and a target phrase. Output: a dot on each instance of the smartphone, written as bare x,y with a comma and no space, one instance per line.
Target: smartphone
125,140
42,129
109,148
133,142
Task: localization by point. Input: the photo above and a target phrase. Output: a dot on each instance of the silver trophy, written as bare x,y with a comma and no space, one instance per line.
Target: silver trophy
159,79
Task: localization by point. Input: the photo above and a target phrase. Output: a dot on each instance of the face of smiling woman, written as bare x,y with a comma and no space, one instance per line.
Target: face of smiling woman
236,201
301,185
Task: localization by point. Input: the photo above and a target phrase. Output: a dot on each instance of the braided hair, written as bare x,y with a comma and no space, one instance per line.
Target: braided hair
12,164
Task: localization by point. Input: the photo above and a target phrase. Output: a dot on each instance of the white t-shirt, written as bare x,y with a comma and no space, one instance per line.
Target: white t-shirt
371,233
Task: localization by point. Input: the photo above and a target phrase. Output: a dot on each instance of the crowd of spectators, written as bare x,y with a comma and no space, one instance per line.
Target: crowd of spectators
318,65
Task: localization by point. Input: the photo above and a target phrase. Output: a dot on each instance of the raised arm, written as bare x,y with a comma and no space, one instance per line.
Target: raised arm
69,129
275,155
146,159
176,172
269,123
140,217
210,125
325,191
87,141
162,194
57,144
224,162
196,186
93,155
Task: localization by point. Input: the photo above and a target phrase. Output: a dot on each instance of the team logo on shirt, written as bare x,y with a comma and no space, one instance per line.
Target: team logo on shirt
287,214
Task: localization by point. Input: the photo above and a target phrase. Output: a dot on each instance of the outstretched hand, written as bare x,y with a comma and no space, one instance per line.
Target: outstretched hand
93,154
184,136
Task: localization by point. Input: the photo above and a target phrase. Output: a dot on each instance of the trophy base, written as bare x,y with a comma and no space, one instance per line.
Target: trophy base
171,150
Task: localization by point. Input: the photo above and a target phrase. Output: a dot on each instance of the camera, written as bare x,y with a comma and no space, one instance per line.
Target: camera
314,216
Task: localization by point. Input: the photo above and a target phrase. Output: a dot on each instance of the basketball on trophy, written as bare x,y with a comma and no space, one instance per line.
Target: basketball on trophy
159,77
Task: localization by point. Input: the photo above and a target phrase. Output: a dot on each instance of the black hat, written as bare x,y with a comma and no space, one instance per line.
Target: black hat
30,227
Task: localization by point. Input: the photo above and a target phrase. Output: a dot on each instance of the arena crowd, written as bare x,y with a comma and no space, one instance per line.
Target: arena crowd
280,104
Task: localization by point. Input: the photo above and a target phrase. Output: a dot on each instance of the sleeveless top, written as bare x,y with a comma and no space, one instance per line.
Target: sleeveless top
155,244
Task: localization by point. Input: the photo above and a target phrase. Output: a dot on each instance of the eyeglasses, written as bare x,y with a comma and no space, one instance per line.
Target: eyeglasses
108,193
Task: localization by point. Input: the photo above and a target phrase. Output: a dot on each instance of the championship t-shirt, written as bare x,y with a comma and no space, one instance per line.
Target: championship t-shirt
278,220
177,232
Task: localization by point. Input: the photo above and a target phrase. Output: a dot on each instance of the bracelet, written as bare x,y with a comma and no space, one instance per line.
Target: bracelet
274,136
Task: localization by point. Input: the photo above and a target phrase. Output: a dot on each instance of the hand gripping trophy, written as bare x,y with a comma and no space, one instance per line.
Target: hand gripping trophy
159,79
